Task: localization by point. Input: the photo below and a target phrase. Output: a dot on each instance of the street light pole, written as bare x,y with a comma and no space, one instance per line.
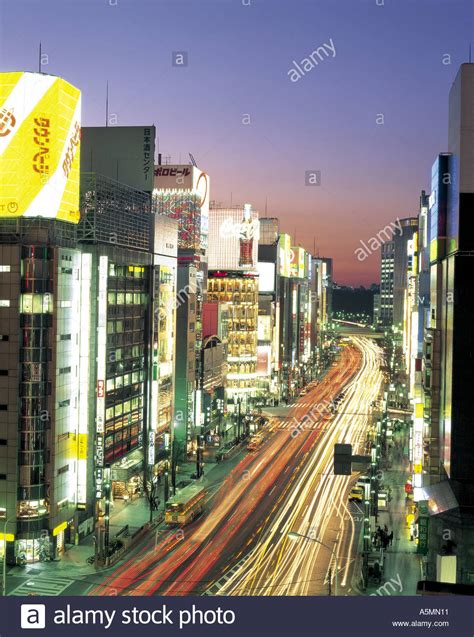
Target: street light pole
293,535
4,577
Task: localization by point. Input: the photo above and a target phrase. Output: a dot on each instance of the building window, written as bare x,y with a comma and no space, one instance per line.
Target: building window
4,302
4,337
65,370
3,372
36,303
3,476
3,407
4,268
64,469
3,442
64,403
65,337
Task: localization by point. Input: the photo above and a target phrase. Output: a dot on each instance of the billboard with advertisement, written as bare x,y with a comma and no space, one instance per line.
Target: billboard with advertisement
298,262
284,255
40,139
233,239
122,153
264,355
266,276
264,327
179,177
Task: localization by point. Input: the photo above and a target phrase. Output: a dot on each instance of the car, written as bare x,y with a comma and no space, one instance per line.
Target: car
303,392
356,494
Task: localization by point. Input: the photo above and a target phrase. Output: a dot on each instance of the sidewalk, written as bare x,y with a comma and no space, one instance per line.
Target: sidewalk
402,565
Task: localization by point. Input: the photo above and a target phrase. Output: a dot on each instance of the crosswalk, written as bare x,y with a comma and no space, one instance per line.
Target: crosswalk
216,586
51,586
302,425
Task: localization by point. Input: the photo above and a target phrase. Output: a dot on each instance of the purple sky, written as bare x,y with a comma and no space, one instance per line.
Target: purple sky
388,60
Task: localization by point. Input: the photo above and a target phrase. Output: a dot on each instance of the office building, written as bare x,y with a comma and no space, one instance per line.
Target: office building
42,482
233,280
181,192
449,344
387,258
402,257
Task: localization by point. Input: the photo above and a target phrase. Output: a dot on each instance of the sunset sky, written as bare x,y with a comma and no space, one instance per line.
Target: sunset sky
235,108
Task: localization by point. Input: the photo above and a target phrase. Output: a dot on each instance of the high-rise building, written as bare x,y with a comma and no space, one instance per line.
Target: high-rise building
387,259
181,192
401,265
43,435
268,349
233,280
449,374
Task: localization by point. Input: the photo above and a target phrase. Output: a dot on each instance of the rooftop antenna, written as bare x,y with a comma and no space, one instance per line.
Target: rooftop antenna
193,161
107,104
266,198
39,59
231,199
314,246
469,52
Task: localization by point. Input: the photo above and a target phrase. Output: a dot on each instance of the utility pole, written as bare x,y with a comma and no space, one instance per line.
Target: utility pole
238,418
107,510
199,453
167,483
173,466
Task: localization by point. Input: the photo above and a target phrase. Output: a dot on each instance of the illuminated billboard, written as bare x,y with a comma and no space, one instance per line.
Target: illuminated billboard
264,354
298,262
179,177
233,239
40,133
266,276
284,255
264,327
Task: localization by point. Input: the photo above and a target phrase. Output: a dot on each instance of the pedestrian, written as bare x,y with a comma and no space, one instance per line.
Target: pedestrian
390,538
385,528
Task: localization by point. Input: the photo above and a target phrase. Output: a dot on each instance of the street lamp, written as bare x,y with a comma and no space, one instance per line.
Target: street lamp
4,578
293,535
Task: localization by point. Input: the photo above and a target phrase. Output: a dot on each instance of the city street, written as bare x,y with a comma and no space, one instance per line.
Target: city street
316,505
287,484
235,336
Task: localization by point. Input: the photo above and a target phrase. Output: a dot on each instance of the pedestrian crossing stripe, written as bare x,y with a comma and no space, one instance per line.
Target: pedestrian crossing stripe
303,426
50,586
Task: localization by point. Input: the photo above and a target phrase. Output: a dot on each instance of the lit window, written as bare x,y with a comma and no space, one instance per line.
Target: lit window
4,268
4,302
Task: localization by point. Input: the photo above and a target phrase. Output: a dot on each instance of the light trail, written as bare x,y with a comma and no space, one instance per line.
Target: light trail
256,491
278,566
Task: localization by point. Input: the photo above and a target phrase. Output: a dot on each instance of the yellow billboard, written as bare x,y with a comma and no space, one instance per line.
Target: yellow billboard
40,132
298,262
284,255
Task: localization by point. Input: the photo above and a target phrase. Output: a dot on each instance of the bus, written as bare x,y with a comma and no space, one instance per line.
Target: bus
186,505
